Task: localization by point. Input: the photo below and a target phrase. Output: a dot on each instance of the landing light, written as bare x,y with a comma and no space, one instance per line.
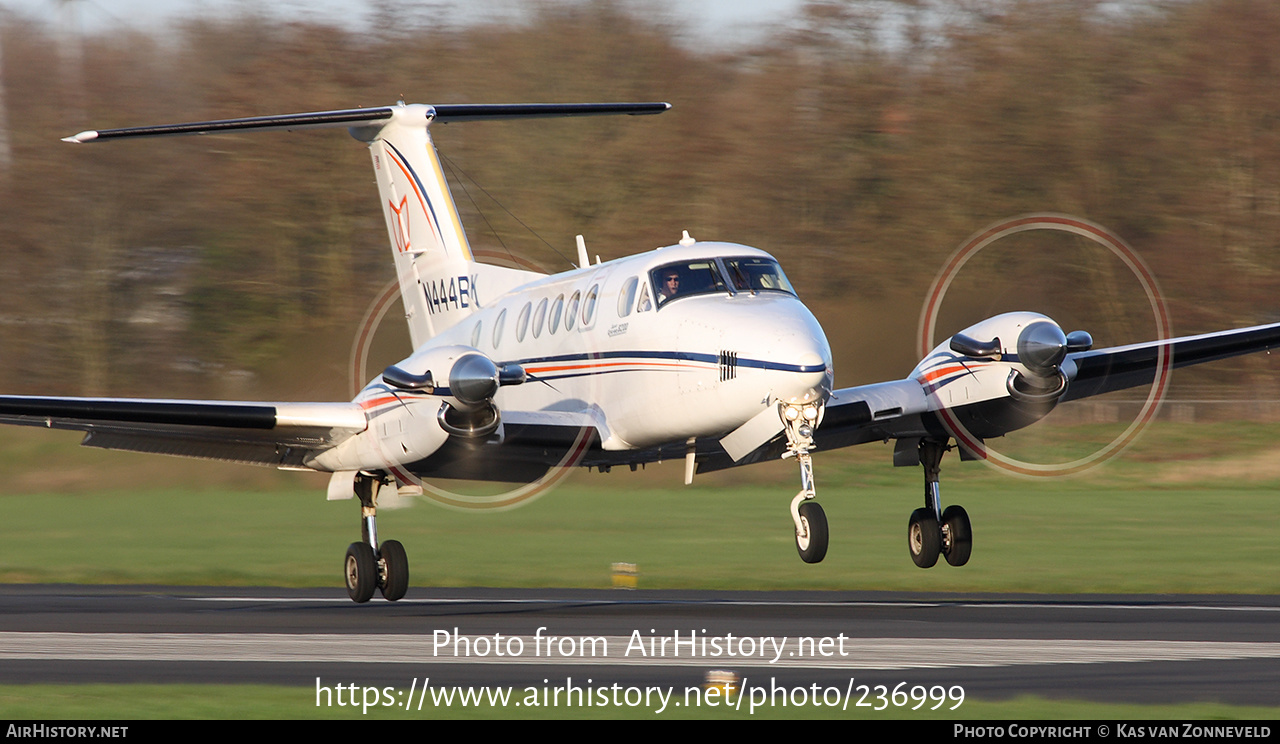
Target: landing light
792,413
811,413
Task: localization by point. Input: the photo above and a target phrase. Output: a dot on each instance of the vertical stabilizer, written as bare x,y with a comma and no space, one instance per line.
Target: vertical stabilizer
433,259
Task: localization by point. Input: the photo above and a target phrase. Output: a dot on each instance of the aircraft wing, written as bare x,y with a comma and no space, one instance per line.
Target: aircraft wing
1117,368
867,413
900,409
529,443
856,415
892,410
282,435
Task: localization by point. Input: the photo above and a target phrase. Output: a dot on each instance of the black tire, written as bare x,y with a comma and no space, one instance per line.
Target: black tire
814,548
957,535
395,565
360,571
924,539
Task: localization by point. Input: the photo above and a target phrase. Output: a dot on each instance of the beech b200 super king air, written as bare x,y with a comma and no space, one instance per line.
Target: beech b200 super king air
699,350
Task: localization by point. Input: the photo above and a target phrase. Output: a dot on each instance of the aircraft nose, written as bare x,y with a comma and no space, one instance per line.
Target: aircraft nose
813,378
795,347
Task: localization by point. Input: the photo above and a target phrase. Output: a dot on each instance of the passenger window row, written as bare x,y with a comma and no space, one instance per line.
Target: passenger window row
580,308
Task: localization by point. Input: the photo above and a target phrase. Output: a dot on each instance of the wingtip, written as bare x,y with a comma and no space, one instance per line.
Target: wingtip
81,138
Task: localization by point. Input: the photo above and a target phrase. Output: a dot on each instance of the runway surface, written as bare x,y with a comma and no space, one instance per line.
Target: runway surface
1087,647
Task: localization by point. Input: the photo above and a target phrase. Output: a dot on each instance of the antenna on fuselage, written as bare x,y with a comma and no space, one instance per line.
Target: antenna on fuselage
583,260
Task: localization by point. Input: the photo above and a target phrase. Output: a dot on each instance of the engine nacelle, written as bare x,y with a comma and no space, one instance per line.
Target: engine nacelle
1039,347
461,375
473,378
414,406
402,429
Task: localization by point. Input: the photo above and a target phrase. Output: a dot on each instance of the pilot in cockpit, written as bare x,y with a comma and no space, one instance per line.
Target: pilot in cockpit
670,285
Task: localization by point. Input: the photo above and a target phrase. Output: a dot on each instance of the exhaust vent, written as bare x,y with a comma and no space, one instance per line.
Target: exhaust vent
728,365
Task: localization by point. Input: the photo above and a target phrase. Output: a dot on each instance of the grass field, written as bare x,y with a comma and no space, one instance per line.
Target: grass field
1177,514
1060,538
1187,510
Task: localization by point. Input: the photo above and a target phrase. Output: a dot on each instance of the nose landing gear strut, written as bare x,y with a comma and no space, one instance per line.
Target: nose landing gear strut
810,520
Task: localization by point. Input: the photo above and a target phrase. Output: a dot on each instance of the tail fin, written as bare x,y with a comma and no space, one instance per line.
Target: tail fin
433,259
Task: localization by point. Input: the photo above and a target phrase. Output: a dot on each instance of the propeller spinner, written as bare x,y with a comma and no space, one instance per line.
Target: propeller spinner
1042,347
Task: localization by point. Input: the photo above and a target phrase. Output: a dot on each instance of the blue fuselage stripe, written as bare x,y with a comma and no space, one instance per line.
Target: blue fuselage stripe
639,358
644,356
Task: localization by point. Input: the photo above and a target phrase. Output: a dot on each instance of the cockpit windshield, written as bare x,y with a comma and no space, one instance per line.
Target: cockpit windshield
687,278
753,274
704,276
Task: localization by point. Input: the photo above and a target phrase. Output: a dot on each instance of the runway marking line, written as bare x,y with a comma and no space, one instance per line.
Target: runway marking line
756,603
864,653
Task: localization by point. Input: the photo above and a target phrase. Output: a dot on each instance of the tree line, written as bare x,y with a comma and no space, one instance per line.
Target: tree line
860,144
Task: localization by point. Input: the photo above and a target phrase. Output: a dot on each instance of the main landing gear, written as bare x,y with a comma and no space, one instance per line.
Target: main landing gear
369,566
809,518
932,531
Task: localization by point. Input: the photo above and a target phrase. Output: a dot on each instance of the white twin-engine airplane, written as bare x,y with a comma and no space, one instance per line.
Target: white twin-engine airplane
700,350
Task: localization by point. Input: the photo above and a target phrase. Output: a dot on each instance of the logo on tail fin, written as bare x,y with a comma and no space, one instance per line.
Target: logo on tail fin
401,220
428,210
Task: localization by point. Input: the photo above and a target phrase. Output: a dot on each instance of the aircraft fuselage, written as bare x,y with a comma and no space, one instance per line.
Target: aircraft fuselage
652,369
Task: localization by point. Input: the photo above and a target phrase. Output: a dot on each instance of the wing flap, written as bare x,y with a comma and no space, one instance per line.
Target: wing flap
530,442
551,428
272,454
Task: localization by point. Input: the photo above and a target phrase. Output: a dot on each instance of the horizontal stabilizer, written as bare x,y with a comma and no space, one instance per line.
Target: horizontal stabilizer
316,120
361,117
493,111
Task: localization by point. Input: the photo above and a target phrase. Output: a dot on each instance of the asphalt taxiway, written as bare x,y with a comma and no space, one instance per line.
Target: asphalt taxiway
1143,648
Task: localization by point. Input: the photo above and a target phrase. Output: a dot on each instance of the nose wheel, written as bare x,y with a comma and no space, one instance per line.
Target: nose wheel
811,537
368,566
932,532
